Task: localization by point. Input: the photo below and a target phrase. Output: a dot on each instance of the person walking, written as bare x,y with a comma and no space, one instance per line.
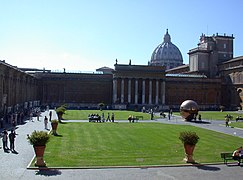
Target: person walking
108,117
169,115
151,114
227,120
112,117
12,136
5,140
45,122
103,117
50,115
31,117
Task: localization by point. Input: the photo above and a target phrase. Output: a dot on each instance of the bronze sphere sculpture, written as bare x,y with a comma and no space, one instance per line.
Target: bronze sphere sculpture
189,110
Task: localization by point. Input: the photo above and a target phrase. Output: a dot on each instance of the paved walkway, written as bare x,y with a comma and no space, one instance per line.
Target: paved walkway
215,125
13,166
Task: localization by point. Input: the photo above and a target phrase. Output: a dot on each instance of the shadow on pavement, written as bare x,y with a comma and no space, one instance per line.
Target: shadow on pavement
48,172
207,168
200,122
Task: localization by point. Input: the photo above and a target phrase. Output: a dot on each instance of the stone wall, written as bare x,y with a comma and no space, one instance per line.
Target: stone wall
16,88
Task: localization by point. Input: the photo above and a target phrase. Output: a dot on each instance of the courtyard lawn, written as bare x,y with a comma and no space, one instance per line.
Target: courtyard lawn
216,115
131,144
237,124
119,115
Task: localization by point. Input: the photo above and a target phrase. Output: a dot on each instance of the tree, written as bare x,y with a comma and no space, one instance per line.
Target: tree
221,108
101,105
60,111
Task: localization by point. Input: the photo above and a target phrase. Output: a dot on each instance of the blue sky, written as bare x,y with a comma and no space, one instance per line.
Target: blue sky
88,34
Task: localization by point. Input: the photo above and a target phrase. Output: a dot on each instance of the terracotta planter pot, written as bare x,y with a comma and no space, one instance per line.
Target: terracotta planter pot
39,152
54,128
189,153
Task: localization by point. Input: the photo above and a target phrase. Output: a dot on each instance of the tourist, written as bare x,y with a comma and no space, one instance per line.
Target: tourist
5,140
129,118
1,122
31,117
152,114
238,154
171,112
227,120
113,117
45,122
199,117
50,115
108,117
12,136
103,117
13,123
38,115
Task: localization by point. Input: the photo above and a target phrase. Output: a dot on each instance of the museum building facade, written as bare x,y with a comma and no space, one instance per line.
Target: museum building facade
212,78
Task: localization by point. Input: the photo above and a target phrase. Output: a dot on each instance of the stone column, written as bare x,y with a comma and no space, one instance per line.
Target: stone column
143,92
129,91
122,91
1,92
150,91
163,92
9,98
157,92
136,91
114,90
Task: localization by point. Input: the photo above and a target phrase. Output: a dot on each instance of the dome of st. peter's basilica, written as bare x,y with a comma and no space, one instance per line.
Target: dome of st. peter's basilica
166,54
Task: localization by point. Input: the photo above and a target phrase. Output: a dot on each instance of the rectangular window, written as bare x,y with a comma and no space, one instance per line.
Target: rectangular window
224,46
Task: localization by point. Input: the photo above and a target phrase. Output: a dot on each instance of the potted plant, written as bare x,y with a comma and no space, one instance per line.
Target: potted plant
39,139
189,139
54,124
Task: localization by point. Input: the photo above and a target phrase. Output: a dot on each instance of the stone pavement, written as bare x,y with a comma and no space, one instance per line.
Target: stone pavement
13,166
214,125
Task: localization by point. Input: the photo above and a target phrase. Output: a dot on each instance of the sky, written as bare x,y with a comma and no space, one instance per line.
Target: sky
83,35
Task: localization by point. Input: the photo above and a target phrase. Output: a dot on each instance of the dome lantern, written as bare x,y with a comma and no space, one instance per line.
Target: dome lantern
167,38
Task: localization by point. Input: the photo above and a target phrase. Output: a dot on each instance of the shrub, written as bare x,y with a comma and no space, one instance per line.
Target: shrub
38,138
54,121
60,111
101,105
189,137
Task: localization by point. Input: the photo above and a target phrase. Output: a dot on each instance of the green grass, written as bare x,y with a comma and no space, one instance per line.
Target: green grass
236,124
119,115
135,144
216,115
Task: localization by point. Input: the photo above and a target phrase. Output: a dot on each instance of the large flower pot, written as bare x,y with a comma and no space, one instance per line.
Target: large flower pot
54,128
39,152
189,153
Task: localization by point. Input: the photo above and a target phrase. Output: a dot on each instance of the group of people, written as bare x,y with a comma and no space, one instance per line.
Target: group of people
18,117
98,118
163,115
131,118
11,137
